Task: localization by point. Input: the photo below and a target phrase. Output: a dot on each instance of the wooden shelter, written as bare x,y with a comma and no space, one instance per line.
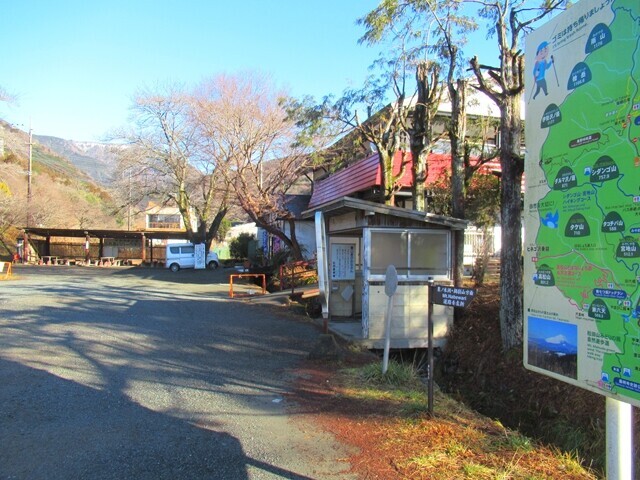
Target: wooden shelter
135,246
362,239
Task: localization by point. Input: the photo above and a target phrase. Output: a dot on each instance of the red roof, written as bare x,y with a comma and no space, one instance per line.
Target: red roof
367,174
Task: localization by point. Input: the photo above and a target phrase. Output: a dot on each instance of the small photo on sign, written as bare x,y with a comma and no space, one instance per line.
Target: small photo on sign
553,346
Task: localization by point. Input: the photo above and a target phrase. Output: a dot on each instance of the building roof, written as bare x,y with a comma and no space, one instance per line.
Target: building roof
366,174
101,233
345,204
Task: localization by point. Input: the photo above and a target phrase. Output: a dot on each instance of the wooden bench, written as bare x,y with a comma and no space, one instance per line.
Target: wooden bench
48,260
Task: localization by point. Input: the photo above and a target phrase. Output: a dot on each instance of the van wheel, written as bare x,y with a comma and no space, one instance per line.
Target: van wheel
174,267
213,265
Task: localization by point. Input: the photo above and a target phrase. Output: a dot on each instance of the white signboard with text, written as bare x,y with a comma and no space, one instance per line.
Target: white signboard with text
343,261
200,256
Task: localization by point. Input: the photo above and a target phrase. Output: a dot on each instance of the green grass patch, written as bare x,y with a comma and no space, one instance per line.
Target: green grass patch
397,375
400,385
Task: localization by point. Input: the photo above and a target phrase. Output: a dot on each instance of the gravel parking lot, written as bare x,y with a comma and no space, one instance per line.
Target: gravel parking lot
113,373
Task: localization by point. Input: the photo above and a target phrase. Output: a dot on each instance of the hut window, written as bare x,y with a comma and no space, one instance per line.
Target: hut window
412,252
429,253
389,248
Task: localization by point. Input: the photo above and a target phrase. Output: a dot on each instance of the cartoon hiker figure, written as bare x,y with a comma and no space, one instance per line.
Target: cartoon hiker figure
540,68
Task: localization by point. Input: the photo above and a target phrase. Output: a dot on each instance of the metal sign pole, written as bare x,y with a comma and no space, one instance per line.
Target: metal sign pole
430,347
390,287
619,418
323,269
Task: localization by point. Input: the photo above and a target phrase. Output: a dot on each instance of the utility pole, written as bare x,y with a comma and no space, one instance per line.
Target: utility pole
129,204
29,169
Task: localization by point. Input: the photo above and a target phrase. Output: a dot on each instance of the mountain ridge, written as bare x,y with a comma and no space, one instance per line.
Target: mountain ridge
93,158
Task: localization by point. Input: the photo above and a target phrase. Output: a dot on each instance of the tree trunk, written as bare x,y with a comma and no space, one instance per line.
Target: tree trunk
419,175
511,281
215,226
457,133
386,177
296,251
417,139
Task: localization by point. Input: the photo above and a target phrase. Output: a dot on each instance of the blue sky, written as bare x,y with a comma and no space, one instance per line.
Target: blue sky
75,64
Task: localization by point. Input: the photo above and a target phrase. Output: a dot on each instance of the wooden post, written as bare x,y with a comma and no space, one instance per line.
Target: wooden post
87,249
144,248
25,248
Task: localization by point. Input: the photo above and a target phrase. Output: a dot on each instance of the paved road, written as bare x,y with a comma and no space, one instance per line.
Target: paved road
130,373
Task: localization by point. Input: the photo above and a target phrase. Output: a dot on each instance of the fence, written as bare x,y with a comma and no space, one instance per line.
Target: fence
296,274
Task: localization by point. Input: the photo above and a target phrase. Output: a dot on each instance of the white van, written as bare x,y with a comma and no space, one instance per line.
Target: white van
183,255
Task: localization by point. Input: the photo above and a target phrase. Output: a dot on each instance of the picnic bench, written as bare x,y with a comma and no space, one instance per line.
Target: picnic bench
49,260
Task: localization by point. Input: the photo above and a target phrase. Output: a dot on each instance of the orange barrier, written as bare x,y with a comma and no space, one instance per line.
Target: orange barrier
241,275
2,267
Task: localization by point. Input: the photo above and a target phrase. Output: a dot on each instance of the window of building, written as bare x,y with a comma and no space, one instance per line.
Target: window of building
414,253
161,220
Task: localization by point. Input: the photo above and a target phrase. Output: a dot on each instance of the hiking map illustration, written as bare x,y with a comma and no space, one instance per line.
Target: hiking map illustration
582,198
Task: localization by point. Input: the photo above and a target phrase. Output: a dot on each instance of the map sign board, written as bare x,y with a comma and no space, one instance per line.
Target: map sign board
582,198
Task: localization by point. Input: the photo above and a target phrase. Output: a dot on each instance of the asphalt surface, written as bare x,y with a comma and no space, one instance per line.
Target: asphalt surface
133,373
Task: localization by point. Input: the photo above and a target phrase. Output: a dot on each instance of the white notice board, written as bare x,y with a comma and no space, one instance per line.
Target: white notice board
200,256
343,261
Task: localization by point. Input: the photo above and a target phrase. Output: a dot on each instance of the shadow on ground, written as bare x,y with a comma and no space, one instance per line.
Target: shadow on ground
87,433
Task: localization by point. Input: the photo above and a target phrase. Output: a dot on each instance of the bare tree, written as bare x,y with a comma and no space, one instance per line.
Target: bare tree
438,29
434,33
384,129
255,126
504,84
170,157
10,215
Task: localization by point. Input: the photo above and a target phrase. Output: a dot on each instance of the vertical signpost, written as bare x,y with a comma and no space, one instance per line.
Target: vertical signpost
199,256
390,287
449,296
582,209
323,268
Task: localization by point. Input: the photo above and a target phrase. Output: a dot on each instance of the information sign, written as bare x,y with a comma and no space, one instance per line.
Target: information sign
452,296
582,200
343,261
199,256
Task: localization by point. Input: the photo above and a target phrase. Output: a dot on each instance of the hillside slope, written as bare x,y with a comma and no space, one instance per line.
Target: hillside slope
62,195
94,159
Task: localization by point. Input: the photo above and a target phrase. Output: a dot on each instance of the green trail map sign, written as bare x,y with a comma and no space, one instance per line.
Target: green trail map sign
582,198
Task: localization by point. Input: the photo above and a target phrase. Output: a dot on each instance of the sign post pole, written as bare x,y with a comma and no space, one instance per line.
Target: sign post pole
390,287
323,269
430,348
459,297
619,434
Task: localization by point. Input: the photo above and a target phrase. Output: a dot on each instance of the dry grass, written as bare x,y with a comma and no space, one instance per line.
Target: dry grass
397,439
497,384
543,428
